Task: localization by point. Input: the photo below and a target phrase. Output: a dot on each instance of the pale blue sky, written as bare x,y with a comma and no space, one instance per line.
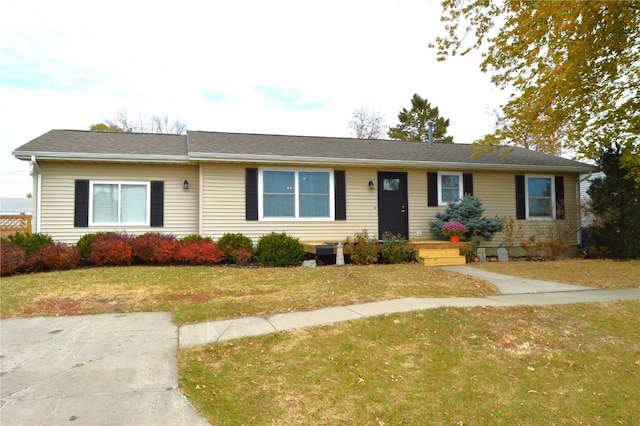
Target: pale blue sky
284,67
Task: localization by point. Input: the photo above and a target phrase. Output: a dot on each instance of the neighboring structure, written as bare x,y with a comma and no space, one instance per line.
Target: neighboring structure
15,215
586,215
585,184
14,206
313,188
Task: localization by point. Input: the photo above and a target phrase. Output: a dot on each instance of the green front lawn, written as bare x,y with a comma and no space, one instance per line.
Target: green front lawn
198,294
571,364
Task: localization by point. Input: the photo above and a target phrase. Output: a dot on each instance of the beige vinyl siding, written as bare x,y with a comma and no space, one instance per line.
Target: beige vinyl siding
58,189
419,213
221,189
496,190
223,207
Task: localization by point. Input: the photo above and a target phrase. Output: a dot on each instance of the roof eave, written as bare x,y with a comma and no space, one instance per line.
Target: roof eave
364,162
126,158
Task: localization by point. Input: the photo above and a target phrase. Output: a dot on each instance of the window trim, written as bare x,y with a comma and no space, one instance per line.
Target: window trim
460,186
120,183
552,197
296,194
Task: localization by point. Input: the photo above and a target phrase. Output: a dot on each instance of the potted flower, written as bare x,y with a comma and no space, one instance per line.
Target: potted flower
453,229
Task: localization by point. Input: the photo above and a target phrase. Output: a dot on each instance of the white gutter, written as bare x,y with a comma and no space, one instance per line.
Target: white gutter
360,162
68,156
38,191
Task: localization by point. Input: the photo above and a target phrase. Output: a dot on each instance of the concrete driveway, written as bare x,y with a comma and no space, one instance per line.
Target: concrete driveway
92,370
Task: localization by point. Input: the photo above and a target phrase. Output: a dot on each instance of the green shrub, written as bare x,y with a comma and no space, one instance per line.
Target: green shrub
231,244
279,250
394,250
30,243
467,211
362,249
195,238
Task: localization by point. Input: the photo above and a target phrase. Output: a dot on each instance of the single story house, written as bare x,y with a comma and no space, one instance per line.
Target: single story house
313,188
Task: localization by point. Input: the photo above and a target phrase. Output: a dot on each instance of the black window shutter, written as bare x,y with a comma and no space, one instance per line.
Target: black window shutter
467,184
520,198
251,194
559,197
81,204
340,194
432,189
157,203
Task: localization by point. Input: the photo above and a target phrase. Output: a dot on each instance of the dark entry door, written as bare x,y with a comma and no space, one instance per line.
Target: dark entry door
393,210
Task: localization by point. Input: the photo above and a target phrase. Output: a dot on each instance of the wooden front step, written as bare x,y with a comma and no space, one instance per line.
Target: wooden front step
440,252
443,261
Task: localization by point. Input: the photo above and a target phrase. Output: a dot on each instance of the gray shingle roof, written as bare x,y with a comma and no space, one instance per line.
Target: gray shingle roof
99,145
256,148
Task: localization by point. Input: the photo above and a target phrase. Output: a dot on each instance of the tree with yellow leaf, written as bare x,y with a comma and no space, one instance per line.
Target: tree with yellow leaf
572,67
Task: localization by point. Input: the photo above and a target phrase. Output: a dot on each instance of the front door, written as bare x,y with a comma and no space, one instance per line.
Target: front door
393,211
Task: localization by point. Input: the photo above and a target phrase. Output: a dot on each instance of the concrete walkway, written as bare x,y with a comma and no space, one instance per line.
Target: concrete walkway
122,368
514,291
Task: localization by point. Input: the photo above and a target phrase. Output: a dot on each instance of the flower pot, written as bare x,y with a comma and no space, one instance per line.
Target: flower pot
454,238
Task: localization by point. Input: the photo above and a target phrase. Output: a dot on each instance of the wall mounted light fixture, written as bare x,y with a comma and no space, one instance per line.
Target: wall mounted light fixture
371,186
185,184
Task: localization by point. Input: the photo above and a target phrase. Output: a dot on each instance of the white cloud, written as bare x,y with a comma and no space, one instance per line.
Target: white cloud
286,67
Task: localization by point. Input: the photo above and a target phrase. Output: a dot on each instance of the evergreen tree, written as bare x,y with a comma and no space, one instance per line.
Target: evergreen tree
467,211
615,202
413,124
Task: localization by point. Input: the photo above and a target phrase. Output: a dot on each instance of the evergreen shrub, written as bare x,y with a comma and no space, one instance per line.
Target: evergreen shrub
279,250
467,211
231,245
30,243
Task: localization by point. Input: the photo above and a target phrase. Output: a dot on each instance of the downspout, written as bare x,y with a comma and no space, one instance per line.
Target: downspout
200,186
579,236
38,191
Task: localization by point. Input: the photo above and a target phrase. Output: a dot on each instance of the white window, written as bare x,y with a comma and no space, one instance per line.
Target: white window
295,194
449,187
119,203
540,197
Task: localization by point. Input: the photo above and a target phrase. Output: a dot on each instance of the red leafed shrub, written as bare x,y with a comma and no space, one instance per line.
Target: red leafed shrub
54,257
153,248
242,255
111,249
200,253
12,259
